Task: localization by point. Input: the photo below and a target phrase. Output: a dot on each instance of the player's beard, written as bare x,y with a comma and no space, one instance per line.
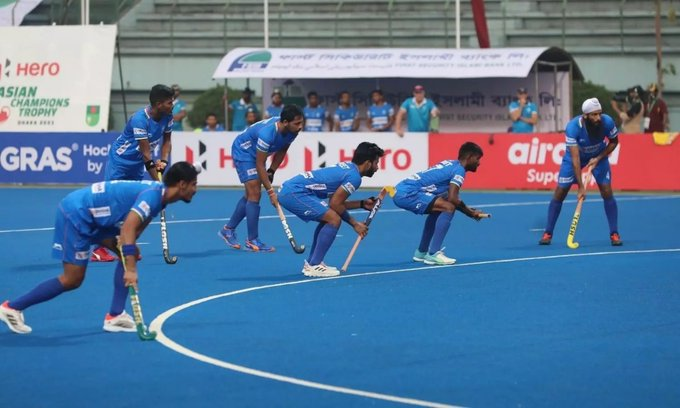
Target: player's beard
370,172
594,130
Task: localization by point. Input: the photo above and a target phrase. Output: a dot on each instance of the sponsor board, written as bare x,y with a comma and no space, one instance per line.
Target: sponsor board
54,157
403,156
532,161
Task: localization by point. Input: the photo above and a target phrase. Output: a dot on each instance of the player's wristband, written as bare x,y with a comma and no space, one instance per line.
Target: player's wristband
129,249
149,164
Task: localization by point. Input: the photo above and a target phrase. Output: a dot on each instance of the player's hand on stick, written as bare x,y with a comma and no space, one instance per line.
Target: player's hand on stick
360,229
161,165
478,215
273,197
270,175
368,203
130,276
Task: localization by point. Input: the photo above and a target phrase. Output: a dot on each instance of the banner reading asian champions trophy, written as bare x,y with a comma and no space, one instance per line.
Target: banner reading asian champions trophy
56,78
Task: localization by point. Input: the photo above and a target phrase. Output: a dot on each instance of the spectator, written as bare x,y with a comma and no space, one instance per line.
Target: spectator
656,111
179,110
630,109
380,114
211,124
523,113
276,106
239,109
346,118
315,114
418,111
251,117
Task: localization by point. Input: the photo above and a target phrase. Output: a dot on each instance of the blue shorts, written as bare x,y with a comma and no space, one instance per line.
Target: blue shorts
118,170
69,244
415,201
306,206
601,173
246,170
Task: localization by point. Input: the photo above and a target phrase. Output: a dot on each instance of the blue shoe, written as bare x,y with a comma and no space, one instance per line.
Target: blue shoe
229,236
258,246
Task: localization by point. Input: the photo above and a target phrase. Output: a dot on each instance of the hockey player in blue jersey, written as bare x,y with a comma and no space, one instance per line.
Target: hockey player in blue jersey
590,139
315,114
321,195
435,192
96,215
380,115
346,116
250,151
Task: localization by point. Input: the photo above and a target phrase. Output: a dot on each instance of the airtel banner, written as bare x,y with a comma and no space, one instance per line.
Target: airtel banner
532,161
403,156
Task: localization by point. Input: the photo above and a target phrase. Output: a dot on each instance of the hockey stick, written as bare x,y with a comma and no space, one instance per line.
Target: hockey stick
298,249
371,215
577,215
142,331
164,236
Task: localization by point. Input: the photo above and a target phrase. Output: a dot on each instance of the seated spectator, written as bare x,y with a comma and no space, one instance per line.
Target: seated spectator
276,106
346,117
238,110
380,115
418,112
315,114
523,113
211,124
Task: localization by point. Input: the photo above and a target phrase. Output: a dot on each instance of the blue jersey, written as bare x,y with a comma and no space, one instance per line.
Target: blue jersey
261,136
105,205
418,116
345,117
326,181
380,115
436,179
141,126
314,118
577,135
239,110
520,126
178,106
218,128
273,110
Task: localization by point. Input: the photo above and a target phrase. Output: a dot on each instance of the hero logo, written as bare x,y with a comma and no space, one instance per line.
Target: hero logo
31,159
32,69
399,159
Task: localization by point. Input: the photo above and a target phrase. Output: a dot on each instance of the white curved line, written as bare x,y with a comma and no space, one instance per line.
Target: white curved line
157,324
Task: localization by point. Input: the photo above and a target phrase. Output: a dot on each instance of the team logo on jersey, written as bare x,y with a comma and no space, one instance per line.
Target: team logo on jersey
92,115
98,187
459,179
99,212
82,255
57,246
252,61
146,209
349,187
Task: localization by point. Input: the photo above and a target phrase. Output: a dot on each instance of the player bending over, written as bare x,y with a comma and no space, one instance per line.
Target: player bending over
92,215
591,138
250,150
435,192
305,195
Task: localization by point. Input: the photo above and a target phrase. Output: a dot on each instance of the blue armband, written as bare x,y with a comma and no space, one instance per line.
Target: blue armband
345,216
129,249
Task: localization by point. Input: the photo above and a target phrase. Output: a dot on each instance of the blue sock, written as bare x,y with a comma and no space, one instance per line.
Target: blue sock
323,244
238,215
41,293
316,237
120,292
441,227
253,215
428,230
553,212
612,211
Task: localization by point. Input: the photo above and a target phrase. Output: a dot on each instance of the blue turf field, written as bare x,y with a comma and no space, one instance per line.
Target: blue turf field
512,324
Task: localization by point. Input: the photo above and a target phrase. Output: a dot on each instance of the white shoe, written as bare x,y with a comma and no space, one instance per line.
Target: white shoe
121,323
319,271
438,258
14,319
419,256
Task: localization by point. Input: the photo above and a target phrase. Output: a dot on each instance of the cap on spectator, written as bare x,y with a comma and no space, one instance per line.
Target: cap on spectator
591,105
418,88
522,90
175,87
277,91
248,91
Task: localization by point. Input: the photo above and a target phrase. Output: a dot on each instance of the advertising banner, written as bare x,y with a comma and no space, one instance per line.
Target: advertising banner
54,157
515,161
377,62
56,78
403,156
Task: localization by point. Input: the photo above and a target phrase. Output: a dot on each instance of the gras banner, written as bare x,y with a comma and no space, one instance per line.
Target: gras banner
532,161
54,157
56,78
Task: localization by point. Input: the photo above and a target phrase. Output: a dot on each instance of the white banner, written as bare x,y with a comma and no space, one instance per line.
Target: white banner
403,156
471,105
12,12
56,78
377,63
